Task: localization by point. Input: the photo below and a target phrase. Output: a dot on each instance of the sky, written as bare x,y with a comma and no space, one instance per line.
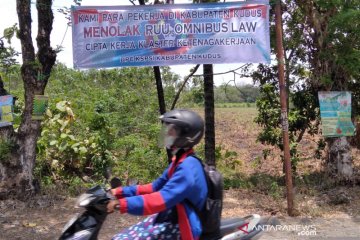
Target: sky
61,35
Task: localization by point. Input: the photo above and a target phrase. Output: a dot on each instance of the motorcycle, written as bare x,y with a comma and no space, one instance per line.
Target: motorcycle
86,226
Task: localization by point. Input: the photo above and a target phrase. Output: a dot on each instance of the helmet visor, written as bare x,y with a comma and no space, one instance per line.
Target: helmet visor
168,135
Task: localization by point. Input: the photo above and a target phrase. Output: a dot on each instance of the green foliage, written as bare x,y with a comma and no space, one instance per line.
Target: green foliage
8,54
235,105
139,158
275,191
260,182
62,154
268,105
193,94
171,84
6,147
332,53
267,184
321,53
112,128
237,180
344,29
256,162
230,165
301,117
10,32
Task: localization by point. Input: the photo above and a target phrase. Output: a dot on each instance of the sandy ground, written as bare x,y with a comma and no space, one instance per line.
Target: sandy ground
44,218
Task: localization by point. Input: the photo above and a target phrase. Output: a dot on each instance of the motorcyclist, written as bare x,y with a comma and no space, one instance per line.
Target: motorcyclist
170,198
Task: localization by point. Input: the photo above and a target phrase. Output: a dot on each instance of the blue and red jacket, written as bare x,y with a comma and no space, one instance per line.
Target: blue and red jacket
182,181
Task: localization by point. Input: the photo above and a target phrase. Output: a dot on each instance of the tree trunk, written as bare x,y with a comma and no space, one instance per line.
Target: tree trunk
16,172
339,160
27,136
160,90
12,175
209,114
10,166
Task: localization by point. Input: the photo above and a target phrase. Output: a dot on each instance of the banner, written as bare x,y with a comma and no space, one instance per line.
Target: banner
335,112
157,35
6,110
39,107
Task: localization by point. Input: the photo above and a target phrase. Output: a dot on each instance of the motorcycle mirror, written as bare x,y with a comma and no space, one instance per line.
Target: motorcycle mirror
115,182
131,182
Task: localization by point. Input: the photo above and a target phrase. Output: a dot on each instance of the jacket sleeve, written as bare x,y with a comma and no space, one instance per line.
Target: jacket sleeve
135,190
176,189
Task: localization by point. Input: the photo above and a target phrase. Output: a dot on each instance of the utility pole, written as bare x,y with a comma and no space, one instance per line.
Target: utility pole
283,103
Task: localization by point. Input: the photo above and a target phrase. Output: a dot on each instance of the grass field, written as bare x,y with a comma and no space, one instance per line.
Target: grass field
235,105
263,179
237,132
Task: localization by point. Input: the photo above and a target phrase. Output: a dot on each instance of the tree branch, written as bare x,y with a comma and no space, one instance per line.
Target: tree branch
183,85
225,89
301,135
234,70
46,54
27,47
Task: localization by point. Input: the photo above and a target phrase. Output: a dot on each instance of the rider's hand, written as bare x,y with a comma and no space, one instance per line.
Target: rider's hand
116,192
113,191
112,206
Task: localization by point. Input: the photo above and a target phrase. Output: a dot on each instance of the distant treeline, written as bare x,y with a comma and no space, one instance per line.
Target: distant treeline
236,94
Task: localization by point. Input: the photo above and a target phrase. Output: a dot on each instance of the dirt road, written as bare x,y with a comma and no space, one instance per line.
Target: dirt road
44,219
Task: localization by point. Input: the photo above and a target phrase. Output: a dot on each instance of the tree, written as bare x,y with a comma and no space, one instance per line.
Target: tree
268,103
16,173
321,44
333,28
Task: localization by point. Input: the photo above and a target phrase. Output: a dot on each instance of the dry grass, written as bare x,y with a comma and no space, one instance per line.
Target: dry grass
315,195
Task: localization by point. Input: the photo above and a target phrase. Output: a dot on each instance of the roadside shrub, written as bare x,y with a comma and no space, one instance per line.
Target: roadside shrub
63,154
139,157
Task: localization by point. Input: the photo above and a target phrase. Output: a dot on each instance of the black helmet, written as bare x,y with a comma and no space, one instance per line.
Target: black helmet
188,126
